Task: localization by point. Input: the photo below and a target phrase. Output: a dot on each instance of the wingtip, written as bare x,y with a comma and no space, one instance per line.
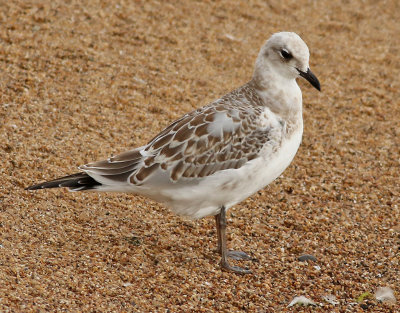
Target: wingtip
77,180
34,187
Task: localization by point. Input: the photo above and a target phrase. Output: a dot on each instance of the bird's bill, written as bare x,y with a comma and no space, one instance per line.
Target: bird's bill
311,78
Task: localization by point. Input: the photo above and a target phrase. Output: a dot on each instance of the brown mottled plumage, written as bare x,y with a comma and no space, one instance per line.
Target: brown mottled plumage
218,155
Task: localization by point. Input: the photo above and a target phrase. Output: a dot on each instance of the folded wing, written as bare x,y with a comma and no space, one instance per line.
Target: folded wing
201,143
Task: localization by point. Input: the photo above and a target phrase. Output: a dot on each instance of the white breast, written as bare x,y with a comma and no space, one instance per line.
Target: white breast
258,174
229,187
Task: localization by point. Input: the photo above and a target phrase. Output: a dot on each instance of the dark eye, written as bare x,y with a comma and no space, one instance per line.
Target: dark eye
286,54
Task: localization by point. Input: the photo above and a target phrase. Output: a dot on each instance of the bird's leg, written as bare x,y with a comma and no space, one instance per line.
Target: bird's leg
220,220
217,222
236,255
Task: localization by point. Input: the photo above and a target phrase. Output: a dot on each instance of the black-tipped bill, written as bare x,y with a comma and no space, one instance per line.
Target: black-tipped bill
311,78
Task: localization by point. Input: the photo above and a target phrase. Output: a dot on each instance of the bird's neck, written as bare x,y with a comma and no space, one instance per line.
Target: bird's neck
280,94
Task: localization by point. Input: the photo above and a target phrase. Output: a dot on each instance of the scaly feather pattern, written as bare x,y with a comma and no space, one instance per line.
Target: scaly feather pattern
225,134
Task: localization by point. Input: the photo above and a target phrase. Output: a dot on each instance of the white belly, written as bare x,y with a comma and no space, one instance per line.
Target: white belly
229,187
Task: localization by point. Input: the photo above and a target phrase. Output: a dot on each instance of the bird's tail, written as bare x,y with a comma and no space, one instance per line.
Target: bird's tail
75,182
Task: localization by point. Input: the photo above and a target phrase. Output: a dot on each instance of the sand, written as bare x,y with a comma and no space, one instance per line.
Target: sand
81,80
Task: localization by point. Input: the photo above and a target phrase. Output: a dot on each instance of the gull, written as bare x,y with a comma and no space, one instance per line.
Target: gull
218,155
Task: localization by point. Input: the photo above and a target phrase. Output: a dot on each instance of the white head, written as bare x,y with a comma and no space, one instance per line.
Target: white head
284,54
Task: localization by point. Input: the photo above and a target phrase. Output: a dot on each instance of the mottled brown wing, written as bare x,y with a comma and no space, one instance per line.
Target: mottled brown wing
206,141
222,135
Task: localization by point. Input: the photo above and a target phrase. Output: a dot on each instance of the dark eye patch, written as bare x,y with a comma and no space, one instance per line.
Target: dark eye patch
286,54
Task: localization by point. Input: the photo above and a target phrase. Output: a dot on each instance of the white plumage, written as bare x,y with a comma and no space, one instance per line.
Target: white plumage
220,154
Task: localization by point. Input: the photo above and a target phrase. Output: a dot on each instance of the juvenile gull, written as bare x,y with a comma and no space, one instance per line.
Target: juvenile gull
220,154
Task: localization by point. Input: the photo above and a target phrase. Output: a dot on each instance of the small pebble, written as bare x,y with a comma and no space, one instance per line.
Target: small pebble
331,299
385,294
301,301
307,257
